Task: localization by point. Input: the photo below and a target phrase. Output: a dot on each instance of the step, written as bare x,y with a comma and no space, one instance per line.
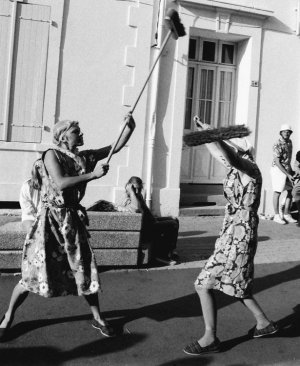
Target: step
202,211
194,199
189,188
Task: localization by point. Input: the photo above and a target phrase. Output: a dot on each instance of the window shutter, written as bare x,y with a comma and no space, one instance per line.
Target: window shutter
28,75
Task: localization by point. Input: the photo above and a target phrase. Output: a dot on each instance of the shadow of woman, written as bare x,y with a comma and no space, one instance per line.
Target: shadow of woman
188,306
27,326
54,356
290,325
181,307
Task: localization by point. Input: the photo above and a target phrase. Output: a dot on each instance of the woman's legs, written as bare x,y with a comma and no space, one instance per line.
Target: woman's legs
276,196
261,319
209,311
288,203
93,302
19,294
99,323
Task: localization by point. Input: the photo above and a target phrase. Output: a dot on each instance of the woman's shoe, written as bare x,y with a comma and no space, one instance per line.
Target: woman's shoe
4,331
270,329
106,329
166,261
195,349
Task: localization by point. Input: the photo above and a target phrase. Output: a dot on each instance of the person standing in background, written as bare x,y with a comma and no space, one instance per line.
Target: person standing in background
282,174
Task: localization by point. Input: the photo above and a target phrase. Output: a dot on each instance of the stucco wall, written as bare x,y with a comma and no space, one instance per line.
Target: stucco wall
270,55
104,61
104,58
279,90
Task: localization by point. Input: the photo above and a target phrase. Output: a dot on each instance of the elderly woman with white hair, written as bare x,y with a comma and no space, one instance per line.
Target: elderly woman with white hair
57,257
230,269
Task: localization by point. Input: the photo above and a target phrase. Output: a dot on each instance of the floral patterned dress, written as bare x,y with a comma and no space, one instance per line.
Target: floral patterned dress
57,257
230,269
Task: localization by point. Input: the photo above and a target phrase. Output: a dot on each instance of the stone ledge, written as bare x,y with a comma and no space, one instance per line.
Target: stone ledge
111,221
115,239
105,257
99,239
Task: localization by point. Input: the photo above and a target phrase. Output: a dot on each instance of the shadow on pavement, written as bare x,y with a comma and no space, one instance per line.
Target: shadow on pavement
27,326
188,362
189,306
290,325
53,356
181,307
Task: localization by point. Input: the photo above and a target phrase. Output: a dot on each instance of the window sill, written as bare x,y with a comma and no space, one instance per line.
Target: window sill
24,146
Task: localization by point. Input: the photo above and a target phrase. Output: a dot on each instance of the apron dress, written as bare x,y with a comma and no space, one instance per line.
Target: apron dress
230,268
57,257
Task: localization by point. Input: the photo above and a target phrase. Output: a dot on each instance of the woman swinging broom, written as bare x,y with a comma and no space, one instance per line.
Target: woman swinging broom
230,269
57,257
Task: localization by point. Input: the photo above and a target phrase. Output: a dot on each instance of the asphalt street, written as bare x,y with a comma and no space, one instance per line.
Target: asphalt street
157,312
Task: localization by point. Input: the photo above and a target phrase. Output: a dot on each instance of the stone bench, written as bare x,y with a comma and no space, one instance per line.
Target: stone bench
115,239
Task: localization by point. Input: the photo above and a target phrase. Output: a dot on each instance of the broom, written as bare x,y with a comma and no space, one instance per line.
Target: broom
214,134
176,29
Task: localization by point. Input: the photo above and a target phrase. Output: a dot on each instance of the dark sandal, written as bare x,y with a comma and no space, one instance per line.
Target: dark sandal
106,329
270,329
195,349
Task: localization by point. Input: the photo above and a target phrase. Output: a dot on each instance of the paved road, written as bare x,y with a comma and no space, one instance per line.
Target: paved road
159,313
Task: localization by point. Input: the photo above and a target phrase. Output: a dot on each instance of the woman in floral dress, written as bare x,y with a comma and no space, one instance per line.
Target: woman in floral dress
57,257
230,269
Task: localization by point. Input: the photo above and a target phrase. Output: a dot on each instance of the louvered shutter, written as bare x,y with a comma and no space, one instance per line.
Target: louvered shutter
28,72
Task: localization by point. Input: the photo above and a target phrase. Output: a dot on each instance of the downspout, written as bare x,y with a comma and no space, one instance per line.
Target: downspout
152,106
298,18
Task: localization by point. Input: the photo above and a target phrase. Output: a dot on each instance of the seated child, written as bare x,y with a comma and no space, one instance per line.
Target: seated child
30,197
162,230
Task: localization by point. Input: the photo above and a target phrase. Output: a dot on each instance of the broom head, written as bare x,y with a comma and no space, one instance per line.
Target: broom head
213,135
174,24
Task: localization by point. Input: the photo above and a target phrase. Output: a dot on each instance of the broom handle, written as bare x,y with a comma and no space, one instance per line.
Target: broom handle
141,92
115,144
152,68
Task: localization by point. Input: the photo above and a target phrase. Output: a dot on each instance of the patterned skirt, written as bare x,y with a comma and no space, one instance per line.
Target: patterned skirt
57,257
230,268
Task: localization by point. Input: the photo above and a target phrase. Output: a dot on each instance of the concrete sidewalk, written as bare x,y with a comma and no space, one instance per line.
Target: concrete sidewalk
159,312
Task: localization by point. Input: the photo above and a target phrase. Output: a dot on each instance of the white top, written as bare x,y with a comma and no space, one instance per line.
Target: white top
29,201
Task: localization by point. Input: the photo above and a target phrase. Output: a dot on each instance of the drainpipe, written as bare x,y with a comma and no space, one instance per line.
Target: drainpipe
298,18
152,105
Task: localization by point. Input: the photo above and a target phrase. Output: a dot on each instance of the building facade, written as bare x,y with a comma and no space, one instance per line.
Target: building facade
88,61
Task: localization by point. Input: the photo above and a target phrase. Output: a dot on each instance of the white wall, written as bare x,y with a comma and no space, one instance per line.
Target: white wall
279,94
105,59
268,53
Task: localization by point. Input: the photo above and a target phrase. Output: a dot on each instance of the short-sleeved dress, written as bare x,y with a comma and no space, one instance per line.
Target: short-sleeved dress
57,257
230,268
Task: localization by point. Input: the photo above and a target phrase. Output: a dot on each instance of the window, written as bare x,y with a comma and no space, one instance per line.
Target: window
208,51
210,83
24,54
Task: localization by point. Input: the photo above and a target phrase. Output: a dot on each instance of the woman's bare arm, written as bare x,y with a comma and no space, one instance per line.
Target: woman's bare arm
244,165
56,173
130,126
226,154
103,152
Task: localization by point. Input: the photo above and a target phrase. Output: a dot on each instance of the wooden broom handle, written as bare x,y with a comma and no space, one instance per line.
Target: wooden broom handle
152,68
141,92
